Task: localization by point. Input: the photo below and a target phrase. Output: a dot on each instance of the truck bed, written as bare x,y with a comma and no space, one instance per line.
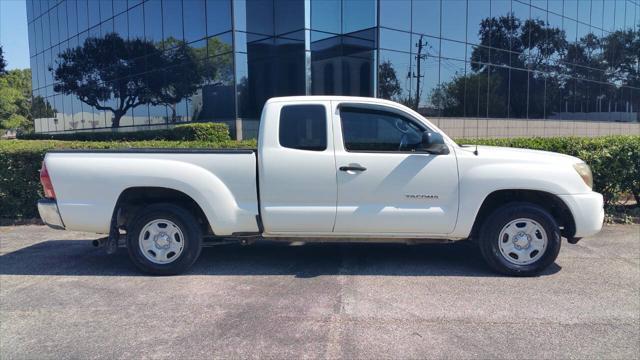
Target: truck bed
88,183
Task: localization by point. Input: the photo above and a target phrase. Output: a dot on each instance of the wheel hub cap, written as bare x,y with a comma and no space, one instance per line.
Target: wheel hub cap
522,241
161,241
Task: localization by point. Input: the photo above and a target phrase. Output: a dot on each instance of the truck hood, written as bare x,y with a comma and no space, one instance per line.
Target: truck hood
522,155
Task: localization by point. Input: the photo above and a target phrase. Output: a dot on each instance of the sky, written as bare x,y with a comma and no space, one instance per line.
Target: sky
13,33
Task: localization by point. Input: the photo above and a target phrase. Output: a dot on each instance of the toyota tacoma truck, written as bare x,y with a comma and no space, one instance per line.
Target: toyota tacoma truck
326,168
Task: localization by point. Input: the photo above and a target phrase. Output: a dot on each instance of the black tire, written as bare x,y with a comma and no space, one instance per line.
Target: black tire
489,240
183,220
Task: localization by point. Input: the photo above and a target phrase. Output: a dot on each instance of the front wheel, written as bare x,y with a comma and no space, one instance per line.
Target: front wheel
164,239
520,239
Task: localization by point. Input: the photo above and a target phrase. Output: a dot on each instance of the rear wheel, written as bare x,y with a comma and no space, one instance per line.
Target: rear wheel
164,239
520,239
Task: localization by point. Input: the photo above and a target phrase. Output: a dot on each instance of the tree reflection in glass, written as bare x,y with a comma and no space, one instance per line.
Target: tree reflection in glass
117,75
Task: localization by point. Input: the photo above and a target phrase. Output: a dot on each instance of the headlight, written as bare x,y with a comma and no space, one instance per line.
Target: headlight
585,173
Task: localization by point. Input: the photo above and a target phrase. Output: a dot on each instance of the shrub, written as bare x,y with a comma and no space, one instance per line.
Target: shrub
20,162
192,132
614,160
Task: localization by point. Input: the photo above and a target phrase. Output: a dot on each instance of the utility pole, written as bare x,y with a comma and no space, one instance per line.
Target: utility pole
419,57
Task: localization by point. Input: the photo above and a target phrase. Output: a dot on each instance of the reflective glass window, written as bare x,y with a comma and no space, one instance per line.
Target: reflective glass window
72,17
499,88
257,16
246,102
171,19
218,100
194,13
83,15
584,11
394,73
46,31
424,82
36,8
358,15
303,127
518,94
220,44
555,6
501,8
374,130
120,25
33,63
136,23
395,14
106,9
289,16
32,41
395,40
30,16
535,105
106,27
326,15
426,17
218,16
619,14
571,9
452,49
37,35
53,25
120,6
94,13
62,22
153,21
541,4
453,25
478,11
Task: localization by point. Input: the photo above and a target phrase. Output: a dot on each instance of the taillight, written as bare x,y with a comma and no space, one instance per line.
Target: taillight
45,180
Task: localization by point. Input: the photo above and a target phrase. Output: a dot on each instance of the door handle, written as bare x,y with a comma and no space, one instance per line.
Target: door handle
352,168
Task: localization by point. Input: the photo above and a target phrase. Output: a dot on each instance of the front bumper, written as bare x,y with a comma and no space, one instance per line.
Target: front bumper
588,212
49,213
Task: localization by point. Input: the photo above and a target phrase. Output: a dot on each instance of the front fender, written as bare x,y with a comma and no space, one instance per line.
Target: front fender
478,182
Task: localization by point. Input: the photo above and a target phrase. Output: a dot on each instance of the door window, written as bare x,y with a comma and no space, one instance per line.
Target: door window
374,130
303,127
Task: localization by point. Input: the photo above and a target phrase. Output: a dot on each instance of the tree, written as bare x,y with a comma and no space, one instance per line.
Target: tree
389,86
15,100
117,75
3,64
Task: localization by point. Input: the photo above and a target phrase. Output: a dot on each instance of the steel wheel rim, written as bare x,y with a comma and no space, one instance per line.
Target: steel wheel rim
161,241
522,241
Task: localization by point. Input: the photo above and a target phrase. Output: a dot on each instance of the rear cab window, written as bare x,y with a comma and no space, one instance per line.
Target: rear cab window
303,127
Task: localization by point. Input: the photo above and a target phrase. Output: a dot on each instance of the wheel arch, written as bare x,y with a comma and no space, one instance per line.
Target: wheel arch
548,201
133,198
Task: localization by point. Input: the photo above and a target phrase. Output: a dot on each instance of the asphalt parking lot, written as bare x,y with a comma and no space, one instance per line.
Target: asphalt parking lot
62,298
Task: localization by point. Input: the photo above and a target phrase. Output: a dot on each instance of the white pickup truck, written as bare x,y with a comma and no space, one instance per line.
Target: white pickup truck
327,168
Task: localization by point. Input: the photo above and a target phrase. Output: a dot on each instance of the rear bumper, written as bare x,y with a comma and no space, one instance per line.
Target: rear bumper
49,213
588,212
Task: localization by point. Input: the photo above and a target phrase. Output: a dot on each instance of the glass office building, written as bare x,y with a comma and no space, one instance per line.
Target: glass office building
136,64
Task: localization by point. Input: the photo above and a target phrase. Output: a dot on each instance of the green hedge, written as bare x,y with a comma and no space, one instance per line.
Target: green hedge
186,132
615,162
20,162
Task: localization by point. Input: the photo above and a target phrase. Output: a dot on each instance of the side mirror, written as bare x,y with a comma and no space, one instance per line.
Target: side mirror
433,143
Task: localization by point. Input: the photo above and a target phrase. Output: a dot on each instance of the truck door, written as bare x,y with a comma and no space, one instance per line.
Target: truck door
384,184
296,168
